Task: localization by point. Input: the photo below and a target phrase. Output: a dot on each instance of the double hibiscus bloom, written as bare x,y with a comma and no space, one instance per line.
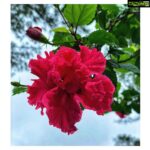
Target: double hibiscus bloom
67,80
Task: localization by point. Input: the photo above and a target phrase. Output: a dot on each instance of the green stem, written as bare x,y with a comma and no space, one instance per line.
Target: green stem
68,25
51,44
57,6
17,84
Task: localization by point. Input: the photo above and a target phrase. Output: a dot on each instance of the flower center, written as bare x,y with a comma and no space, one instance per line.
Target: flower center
92,76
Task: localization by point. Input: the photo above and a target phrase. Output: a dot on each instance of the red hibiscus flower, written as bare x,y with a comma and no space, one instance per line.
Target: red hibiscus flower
67,79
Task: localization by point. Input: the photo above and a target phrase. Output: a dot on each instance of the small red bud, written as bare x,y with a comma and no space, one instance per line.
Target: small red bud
121,115
35,33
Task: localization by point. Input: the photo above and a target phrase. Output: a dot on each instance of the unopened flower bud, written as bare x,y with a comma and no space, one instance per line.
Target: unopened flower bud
121,115
35,33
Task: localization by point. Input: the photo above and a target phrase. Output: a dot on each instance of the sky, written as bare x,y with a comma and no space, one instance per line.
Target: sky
29,128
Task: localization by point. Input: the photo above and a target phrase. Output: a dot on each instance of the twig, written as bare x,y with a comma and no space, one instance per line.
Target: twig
118,19
62,16
68,25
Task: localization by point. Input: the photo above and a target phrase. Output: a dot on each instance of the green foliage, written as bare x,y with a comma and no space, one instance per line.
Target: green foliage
129,101
111,73
117,90
124,67
117,26
100,18
126,140
129,67
133,99
101,37
111,9
127,28
18,88
79,14
60,29
63,38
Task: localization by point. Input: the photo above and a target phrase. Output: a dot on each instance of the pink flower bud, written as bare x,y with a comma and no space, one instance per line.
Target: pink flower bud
35,33
121,115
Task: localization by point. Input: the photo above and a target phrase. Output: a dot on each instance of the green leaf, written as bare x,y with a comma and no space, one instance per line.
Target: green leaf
136,35
122,41
116,53
130,67
102,37
113,63
122,32
132,96
129,49
109,72
101,18
121,107
112,9
62,38
19,89
129,94
60,29
79,14
136,106
116,106
124,67
137,81
15,83
117,89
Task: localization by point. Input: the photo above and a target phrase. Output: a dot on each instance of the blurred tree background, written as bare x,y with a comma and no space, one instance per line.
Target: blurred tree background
116,32
23,16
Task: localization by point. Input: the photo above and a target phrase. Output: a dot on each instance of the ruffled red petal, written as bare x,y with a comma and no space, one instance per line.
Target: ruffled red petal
94,59
97,94
41,66
36,93
72,72
63,110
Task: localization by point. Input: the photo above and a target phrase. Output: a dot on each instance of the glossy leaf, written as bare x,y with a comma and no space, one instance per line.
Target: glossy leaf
60,29
101,18
130,67
111,8
136,106
102,37
18,88
62,38
111,74
117,89
79,14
